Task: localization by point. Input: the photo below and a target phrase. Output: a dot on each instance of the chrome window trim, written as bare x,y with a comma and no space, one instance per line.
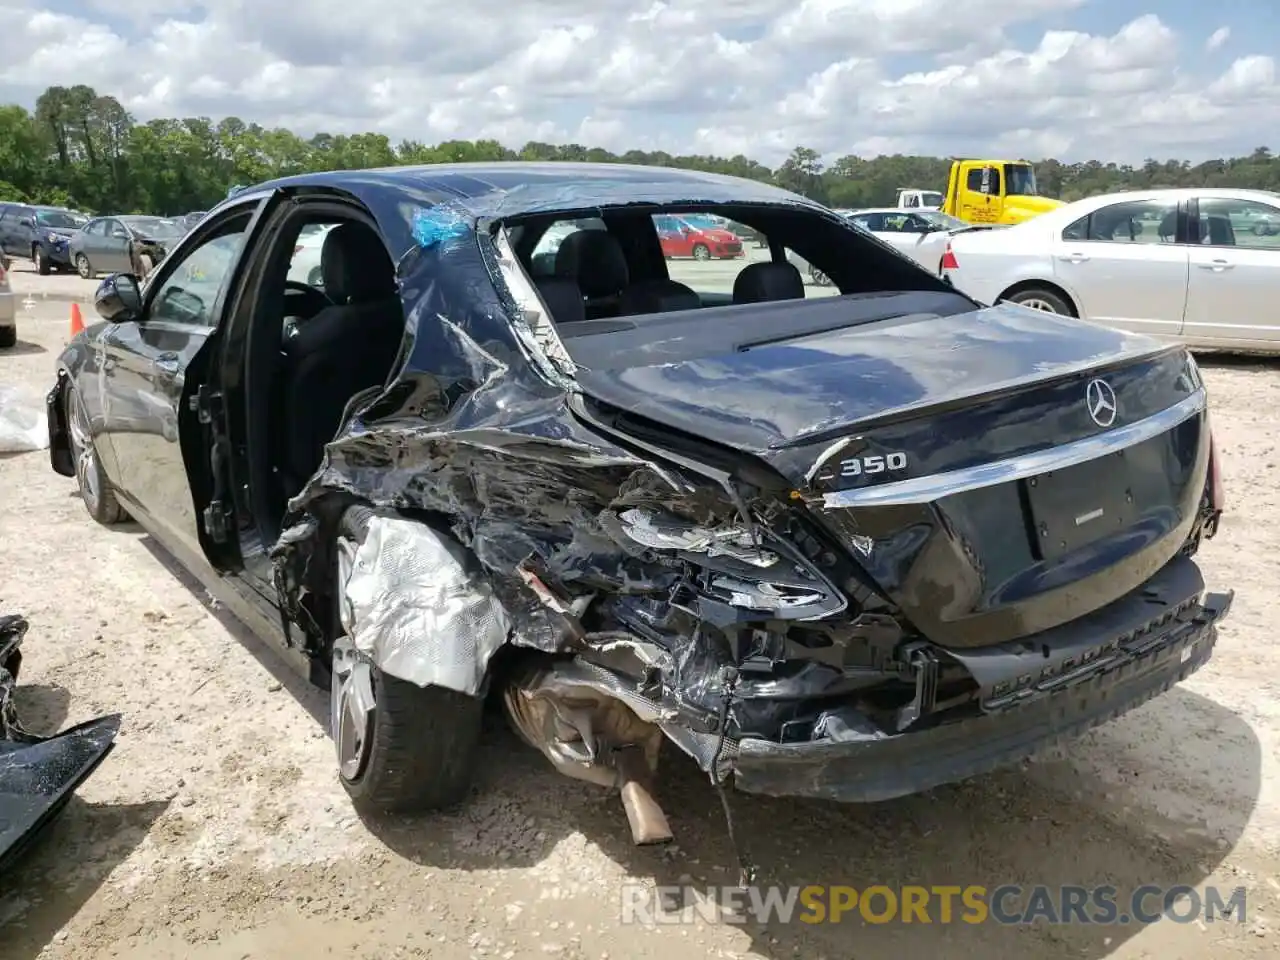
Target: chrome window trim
918,490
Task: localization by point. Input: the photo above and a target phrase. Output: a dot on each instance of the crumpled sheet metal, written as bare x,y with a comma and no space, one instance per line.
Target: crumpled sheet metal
472,429
418,612
577,725
38,775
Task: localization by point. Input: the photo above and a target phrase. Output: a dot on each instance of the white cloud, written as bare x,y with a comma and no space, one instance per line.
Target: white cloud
1217,38
752,76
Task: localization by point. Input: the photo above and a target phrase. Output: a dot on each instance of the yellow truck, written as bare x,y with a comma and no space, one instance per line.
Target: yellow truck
998,192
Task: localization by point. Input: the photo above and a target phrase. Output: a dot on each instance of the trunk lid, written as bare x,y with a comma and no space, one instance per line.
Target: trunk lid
958,458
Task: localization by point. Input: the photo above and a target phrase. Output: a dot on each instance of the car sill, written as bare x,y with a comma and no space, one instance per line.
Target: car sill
918,490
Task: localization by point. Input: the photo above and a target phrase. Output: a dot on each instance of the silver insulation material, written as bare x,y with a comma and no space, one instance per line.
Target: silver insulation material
418,611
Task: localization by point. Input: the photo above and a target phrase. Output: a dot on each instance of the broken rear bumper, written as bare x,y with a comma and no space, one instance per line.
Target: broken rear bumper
1110,662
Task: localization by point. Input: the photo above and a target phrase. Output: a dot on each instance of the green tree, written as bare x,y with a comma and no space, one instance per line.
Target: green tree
81,148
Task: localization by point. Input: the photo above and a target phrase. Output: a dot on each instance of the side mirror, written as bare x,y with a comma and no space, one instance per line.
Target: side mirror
119,299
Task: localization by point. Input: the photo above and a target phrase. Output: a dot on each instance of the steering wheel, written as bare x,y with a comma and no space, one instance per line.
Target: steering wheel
310,295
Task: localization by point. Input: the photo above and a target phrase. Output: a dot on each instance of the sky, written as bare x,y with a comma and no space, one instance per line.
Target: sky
1110,80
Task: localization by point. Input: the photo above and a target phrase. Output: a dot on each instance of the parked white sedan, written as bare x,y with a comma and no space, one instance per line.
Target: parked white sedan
1185,265
305,265
920,234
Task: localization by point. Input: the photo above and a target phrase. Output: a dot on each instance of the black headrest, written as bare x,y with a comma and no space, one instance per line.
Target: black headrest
563,298
762,282
355,265
657,296
595,259
1221,233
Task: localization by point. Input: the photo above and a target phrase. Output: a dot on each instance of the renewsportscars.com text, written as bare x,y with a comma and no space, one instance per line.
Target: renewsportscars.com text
1008,904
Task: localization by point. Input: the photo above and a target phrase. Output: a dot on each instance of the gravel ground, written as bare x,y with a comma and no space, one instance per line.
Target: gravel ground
217,828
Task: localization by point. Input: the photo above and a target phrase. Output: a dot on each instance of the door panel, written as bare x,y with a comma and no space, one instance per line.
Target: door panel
1125,266
152,358
115,250
1235,273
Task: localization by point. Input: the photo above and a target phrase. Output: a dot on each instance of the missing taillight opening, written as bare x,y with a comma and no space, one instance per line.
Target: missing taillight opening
949,261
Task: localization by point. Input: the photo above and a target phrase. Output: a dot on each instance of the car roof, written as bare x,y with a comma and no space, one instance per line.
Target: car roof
402,198
474,181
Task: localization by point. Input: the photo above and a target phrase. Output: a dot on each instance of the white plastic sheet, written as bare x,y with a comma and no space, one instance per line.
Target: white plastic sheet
23,425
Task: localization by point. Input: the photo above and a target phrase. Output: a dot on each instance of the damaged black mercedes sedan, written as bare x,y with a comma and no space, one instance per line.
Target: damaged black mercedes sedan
848,546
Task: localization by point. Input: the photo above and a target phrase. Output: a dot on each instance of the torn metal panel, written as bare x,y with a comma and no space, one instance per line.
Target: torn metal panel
38,775
413,605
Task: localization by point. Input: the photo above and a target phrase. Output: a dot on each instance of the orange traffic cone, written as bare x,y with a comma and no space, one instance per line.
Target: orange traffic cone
77,321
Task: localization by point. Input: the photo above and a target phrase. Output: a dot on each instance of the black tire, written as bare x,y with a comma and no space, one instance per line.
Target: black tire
701,252
43,267
95,489
315,278
83,267
818,277
1040,298
8,337
423,741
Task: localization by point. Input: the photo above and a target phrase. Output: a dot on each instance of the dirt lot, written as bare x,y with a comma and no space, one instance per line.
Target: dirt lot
218,830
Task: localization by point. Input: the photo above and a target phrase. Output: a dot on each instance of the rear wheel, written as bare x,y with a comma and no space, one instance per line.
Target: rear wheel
82,266
8,337
1038,298
95,489
315,278
401,748
43,266
701,251
818,277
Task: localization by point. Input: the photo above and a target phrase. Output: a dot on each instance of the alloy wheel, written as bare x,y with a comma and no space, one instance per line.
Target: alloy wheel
1035,303
82,267
701,253
351,697
83,452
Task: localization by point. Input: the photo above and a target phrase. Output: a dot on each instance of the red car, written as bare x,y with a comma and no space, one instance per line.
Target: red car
697,237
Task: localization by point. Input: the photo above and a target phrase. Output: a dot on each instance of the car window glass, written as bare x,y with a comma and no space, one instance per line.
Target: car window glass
543,263
1135,221
189,292
97,228
1079,230
705,252
895,223
1239,223
304,265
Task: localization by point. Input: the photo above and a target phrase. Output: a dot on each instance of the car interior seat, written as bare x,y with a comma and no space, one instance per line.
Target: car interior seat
762,282
342,350
657,296
594,259
1221,233
563,298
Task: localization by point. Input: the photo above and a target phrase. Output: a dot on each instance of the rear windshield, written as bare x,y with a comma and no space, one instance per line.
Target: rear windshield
677,274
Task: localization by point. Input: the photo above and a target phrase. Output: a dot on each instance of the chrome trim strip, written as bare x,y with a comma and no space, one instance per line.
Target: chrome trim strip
927,489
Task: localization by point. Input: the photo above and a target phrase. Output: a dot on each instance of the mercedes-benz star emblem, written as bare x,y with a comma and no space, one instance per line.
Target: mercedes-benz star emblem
1101,401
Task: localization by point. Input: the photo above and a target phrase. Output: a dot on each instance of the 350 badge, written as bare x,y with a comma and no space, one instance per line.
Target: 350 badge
866,466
